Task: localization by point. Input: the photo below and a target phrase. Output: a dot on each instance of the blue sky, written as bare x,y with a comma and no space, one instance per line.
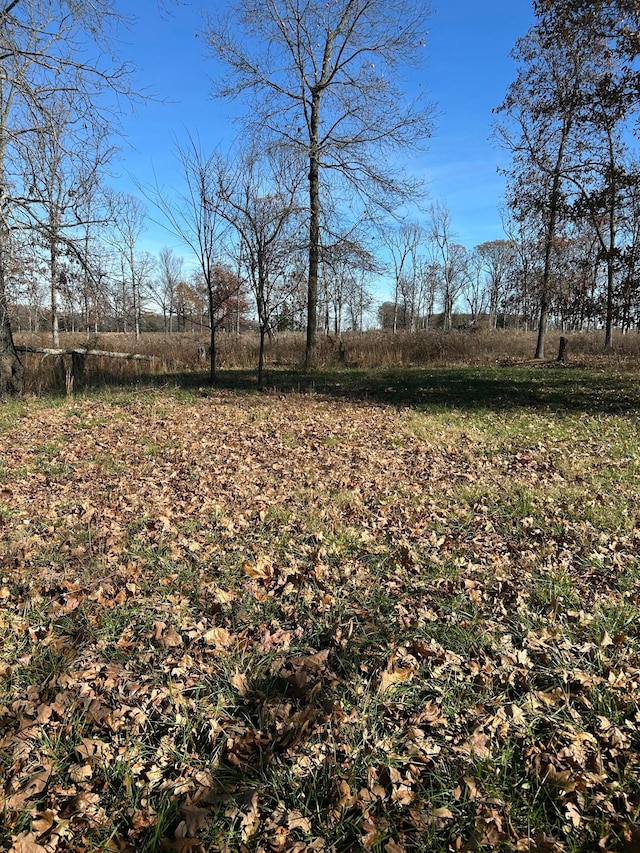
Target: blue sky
466,73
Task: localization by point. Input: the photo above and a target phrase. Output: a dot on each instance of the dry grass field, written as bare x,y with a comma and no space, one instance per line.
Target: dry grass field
178,354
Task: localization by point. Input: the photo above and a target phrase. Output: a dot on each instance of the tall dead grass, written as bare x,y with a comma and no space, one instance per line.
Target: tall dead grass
183,352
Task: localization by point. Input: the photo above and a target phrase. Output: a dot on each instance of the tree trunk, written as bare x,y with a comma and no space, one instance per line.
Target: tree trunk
314,235
554,209
542,327
447,320
395,308
562,350
136,308
608,334
11,370
53,259
608,330
212,336
261,358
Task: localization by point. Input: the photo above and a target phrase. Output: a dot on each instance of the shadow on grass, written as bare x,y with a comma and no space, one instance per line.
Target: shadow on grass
544,387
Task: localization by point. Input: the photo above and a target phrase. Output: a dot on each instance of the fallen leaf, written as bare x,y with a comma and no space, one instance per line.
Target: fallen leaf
194,819
296,820
219,637
36,785
396,676
26,843
261,569
443,813
239,681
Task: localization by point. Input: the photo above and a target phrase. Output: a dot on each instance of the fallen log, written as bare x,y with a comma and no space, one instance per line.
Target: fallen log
78,355
84,352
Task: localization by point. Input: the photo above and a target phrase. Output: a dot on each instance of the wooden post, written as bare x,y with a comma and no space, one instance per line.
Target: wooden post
72,378
77,367
562,350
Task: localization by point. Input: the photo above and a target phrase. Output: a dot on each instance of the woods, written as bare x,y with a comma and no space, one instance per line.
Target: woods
353,242
54,109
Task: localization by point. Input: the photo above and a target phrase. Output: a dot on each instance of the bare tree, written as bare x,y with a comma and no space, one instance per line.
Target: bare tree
451,258
129,221
193,217
522,280
259,198
43,50
322,78
630,259
604,177
428,280
542,106
345,266
496,259
169,277
403,242
474,287
577,86
61,172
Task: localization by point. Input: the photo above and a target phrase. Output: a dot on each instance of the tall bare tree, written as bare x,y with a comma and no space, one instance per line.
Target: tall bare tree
496,259
604,177
451,258
169,277
129,221
323,77
346,264
578,82
542,107
402,243
61,174
474,287
258,196
192,216
44,45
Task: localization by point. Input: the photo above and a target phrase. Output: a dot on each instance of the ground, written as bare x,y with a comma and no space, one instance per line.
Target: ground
397,616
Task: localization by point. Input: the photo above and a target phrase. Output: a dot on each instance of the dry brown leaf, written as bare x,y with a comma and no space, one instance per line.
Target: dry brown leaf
260,569
181,845
239,681
296,820
195,818
478,744
396,676
250,821
26,843
443,813
472,789
35,785
80,772
218,637
43,822
118,844
572,814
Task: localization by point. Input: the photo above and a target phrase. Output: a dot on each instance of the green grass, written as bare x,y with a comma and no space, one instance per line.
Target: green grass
397,613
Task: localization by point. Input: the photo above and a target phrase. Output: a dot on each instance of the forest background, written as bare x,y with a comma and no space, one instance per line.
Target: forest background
286,229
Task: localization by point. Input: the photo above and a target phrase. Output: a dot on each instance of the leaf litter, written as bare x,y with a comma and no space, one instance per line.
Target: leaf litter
294,624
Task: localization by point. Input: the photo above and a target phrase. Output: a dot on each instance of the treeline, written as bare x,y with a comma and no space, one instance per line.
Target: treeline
298,226
573,187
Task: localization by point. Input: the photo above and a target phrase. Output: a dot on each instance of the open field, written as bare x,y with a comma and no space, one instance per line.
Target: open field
175,356
397,613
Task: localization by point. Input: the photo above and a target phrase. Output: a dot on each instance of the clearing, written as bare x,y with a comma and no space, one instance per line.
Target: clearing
399,617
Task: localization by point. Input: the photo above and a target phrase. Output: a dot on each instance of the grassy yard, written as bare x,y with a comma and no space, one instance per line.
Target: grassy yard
396,612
